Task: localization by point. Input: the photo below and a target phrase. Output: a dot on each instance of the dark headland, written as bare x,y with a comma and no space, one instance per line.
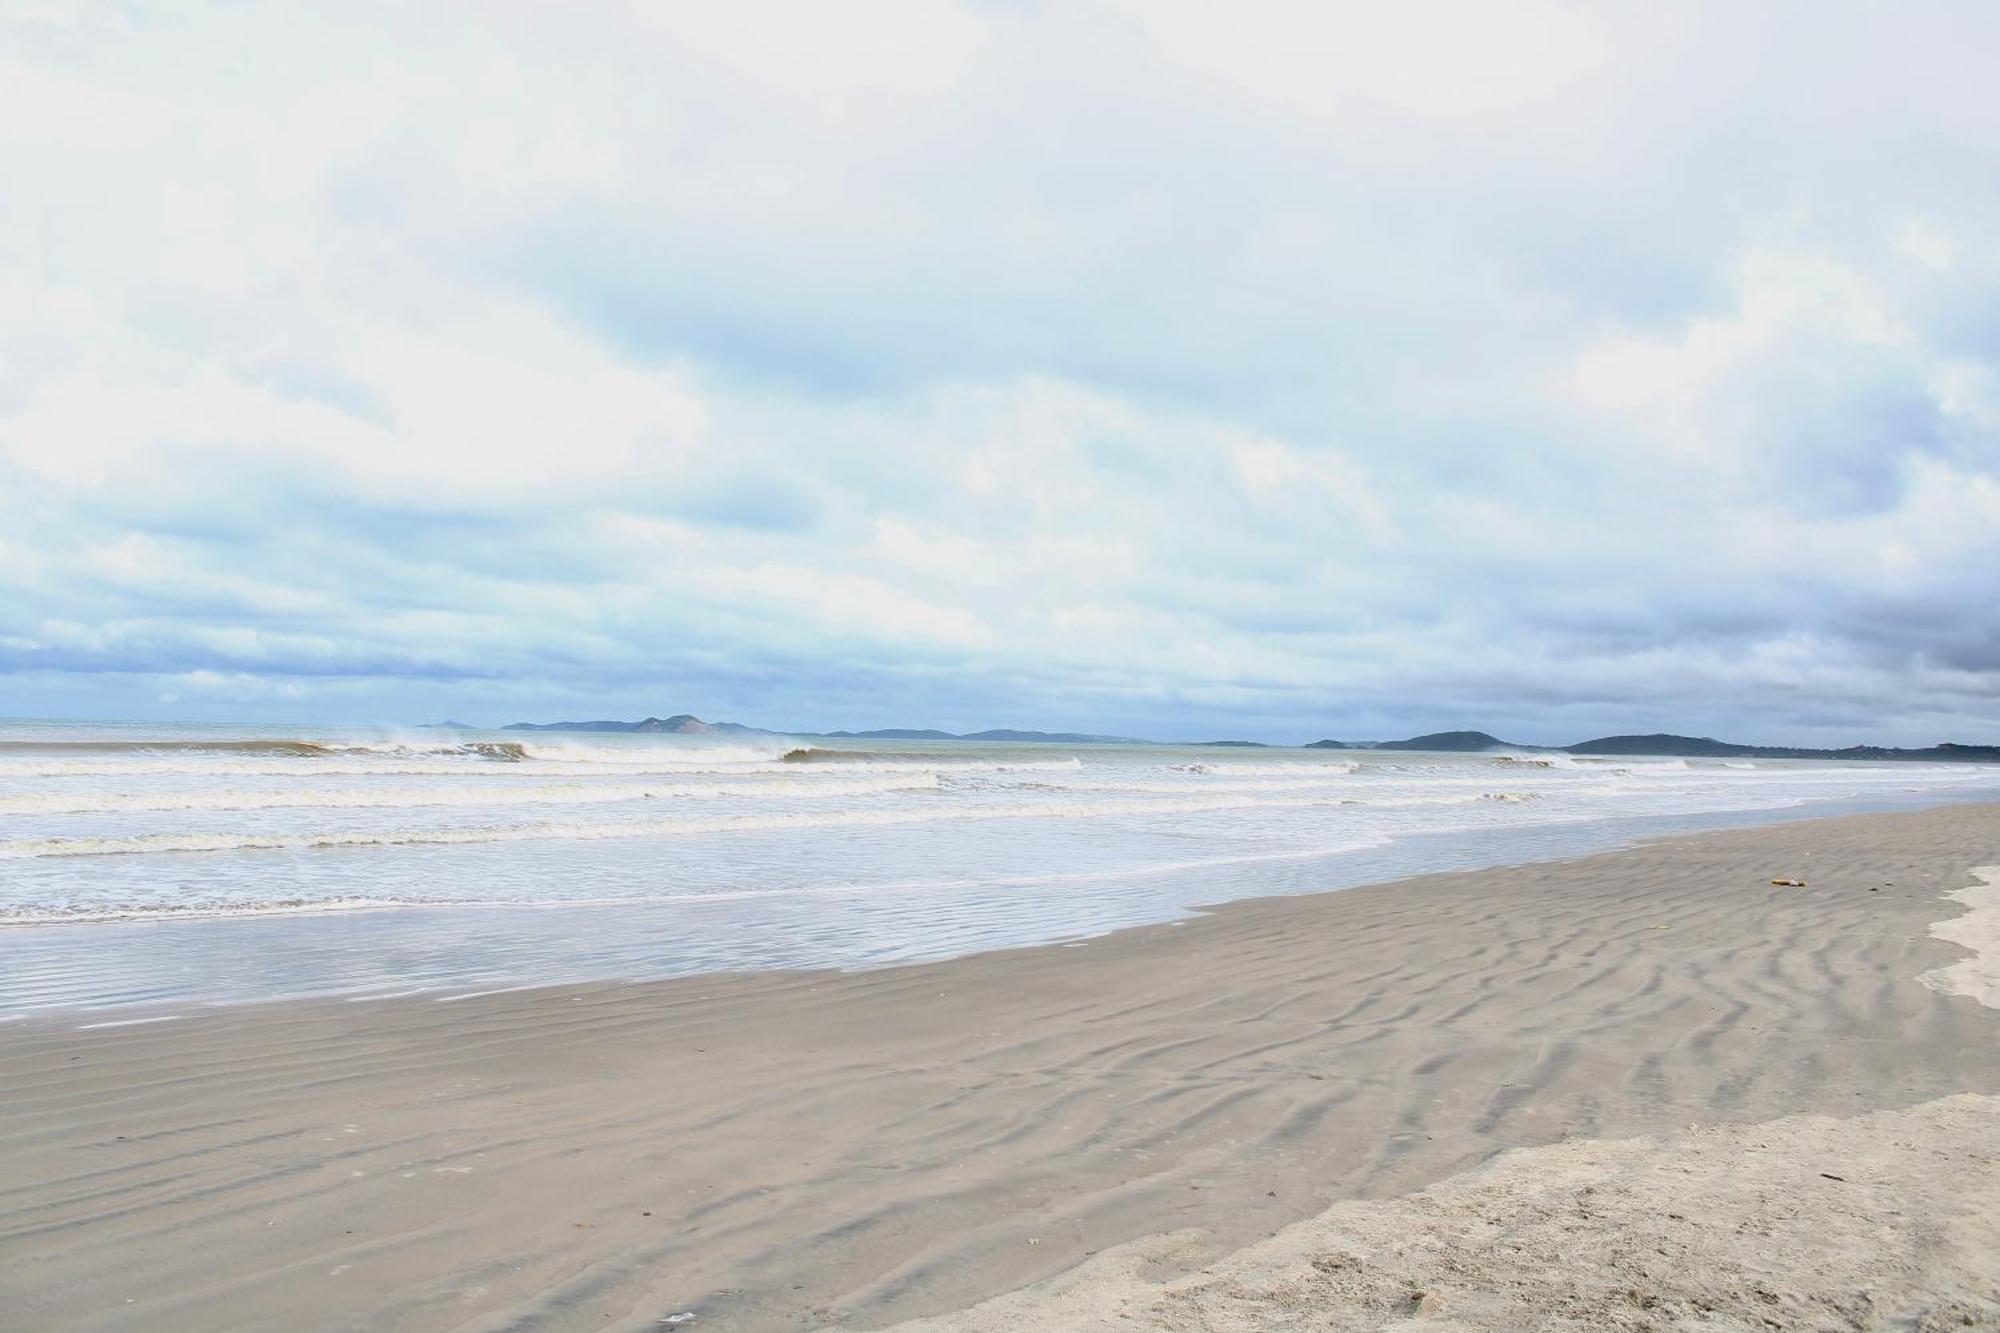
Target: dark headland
1449,742
680,724
687,724
1672,746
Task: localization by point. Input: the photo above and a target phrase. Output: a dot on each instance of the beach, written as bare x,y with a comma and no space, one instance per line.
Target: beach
189,865
973,667
1121,1117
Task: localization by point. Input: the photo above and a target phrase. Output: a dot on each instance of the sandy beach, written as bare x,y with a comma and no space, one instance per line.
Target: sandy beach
1632,1090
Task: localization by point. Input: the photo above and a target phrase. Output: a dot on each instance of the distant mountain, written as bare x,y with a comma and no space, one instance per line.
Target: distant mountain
1456,741
1707,747
571,726
1704,747
1051,737
687,724
680,724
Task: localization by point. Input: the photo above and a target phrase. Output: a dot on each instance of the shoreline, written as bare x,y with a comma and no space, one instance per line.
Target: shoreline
796,1149
46,946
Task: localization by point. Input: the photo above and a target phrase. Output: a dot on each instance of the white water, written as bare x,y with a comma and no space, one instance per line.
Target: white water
139,865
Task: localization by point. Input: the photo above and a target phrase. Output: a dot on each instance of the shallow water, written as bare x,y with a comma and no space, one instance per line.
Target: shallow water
146,865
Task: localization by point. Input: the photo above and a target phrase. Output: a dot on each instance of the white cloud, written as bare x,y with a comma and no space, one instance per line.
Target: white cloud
1779,296
1310,368
1920,241
1425,61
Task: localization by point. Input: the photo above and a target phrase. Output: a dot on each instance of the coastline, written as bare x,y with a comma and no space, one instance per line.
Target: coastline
129,966
791,1150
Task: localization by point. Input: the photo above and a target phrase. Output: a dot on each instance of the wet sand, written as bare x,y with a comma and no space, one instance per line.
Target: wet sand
798,1150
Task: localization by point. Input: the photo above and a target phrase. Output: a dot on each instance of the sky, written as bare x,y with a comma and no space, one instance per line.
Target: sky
1178,370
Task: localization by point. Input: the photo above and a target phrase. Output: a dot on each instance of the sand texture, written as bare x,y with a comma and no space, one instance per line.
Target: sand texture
1881,1221
802,1150
1977,975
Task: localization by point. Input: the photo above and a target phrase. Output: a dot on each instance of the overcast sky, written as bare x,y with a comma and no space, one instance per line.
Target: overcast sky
1179,370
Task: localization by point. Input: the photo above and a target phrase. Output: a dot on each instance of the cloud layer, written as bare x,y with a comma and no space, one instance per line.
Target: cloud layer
1114,366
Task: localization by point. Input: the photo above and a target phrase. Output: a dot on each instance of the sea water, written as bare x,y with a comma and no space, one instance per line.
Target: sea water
147,864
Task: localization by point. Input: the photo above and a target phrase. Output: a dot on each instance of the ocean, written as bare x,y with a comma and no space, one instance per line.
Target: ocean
150,865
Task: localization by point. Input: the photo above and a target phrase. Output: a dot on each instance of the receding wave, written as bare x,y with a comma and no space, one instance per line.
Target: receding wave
143,843
132,844
77,914
878,760
440,795
1308,767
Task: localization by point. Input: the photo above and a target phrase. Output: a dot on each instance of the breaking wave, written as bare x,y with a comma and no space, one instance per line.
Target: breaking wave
503,751
903,759
1303,768
1540,759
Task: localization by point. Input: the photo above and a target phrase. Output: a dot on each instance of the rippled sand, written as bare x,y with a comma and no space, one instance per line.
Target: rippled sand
790,1151
1725,1227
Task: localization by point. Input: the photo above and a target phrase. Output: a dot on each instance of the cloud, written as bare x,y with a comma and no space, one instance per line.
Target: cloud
1317,371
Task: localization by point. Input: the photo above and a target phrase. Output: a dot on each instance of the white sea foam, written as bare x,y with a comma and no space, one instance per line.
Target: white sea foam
287,907
71,801
140,844
831,761
1226,767
556,762
23,848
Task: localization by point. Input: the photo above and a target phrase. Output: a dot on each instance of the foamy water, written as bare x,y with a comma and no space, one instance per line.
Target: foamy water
173,864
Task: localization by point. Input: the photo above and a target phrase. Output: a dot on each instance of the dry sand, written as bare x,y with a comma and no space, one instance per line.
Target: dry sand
797,1150
1978,973
1888,1220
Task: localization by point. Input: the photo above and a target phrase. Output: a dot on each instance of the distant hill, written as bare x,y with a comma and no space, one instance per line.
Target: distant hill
1707,747
1457,741
1660,743
1055,737
1688,747
680,724
687,724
